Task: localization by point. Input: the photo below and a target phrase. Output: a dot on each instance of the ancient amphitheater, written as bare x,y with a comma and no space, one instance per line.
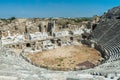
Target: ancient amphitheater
17,42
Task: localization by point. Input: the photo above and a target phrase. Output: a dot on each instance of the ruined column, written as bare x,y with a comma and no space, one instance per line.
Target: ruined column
53,28
0,42
26,31
40,29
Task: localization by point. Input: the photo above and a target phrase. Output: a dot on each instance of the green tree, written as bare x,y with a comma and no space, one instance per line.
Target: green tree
12,18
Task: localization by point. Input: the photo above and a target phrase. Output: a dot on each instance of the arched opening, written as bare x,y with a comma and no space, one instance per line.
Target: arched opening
94,26
28,45
118,17
71,38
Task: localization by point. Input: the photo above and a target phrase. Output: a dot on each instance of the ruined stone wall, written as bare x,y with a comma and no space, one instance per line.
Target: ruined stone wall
37,24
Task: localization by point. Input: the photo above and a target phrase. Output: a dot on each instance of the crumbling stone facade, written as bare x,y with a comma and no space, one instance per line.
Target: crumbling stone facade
46,36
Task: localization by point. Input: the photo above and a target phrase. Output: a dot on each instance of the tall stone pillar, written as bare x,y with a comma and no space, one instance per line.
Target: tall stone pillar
26,30
40,29
53,28
0,42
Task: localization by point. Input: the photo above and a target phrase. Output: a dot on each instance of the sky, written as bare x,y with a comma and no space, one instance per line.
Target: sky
55,8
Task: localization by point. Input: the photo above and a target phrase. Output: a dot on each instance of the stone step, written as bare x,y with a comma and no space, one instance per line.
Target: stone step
8,78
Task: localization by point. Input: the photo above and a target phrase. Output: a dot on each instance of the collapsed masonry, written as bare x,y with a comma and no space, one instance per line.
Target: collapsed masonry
47,36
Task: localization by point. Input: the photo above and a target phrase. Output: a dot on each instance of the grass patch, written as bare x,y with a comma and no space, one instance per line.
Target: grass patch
59,65
60,59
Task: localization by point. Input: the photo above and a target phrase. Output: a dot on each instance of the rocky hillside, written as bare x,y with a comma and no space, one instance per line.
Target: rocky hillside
108,28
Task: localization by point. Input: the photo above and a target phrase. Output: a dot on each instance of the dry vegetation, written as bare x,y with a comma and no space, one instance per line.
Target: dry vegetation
65,58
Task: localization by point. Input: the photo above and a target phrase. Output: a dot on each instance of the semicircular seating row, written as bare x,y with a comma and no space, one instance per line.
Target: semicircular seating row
109,39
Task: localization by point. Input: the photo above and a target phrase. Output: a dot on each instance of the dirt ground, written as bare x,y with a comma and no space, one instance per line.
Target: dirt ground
65,58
